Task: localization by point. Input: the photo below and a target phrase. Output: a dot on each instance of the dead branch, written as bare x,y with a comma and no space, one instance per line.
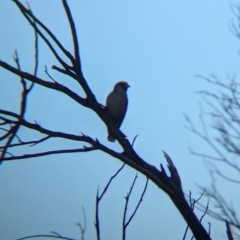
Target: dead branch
84,226
124,222
98,199
229,232
224,112
46,236
192,203
225,210
171,184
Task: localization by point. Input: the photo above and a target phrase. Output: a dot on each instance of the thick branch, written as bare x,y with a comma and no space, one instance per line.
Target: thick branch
55,86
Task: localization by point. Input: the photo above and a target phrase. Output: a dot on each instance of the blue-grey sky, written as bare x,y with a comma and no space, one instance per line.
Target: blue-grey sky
158,47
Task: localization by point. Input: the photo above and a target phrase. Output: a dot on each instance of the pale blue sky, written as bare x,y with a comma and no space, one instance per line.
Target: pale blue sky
158,47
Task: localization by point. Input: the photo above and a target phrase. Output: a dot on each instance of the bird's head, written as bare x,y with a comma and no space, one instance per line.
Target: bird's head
121,86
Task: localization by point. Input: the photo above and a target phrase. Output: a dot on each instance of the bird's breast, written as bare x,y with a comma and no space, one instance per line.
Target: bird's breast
117,105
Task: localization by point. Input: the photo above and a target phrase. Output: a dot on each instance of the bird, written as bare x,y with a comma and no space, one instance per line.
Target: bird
116,105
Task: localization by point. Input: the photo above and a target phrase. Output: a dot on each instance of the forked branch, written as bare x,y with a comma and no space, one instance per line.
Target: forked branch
169,183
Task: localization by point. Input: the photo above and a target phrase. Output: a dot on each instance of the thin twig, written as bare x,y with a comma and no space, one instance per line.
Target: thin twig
46,153
134,139
77,61
98,199
139,202
192,204
24,10
124,225
31,143
23,104
110,180
127,198
46,71
46,236
84,227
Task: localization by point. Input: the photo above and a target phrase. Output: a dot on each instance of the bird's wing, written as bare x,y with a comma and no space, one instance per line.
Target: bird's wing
123,111
117,106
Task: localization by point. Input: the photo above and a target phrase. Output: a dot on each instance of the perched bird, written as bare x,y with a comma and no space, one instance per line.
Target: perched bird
116,104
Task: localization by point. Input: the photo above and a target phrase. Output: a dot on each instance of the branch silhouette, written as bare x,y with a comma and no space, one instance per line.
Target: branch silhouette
169,183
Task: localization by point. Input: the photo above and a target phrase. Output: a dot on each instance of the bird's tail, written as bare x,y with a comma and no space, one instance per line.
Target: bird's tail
110,138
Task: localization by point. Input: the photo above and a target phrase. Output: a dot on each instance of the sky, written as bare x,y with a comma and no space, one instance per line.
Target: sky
158,47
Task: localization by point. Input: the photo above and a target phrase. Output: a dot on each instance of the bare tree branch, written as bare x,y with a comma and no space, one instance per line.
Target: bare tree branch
125,209
192,203
46,236
224,105
225,210
229,232
54,86
171,184
77,62
124,223
28,14
84,226
98,199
